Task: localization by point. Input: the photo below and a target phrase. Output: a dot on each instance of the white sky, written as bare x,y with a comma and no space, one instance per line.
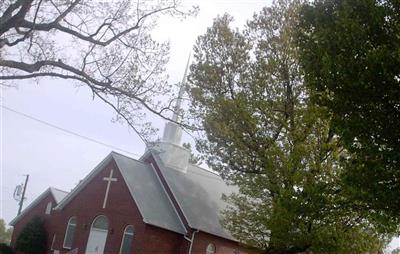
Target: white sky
54,158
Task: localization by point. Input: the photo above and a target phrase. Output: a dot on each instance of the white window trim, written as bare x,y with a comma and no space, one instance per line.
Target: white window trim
123,237
100,229
49,207
213,251
52,242
66,230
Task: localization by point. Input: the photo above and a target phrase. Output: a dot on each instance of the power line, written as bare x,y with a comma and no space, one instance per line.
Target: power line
67,131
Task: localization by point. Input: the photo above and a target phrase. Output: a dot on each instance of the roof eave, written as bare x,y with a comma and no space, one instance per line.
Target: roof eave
166,228
84,182
30,206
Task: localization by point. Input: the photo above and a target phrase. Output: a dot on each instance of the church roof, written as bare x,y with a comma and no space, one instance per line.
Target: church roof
58,194
197,191
199,194
148,192
145,188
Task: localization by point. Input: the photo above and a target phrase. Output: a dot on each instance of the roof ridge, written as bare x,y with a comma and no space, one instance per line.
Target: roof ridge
84,181
213,177
57,189
125,165
31,205
126,156
208,171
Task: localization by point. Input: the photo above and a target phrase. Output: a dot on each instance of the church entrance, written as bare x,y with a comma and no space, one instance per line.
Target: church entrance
98,236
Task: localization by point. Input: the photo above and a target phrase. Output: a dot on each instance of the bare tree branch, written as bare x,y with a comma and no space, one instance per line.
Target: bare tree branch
106,47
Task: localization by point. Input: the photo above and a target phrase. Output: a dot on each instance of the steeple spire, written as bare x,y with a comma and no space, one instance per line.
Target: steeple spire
172,131
177,109
170,150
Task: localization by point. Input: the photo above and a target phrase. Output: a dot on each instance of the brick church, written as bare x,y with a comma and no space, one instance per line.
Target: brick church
159,204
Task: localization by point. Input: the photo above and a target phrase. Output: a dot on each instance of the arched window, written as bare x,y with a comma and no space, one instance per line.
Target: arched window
98,235
100,222
127,240
70,233
210,248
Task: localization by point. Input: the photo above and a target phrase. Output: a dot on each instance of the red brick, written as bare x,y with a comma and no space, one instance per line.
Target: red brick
121,211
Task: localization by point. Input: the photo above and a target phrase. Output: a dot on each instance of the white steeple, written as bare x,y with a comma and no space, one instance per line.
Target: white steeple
172,131
178,104
170,150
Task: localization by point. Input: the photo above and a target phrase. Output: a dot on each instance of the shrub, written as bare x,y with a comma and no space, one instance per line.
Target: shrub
32,239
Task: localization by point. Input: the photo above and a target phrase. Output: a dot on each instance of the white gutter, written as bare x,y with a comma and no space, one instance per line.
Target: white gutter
191,240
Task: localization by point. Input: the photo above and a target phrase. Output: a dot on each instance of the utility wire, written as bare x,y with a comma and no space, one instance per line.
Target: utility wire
67,131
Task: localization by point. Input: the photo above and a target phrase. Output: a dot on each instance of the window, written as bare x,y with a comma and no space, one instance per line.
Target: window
70,233
127,240
210,248
98,235
100,222
48,208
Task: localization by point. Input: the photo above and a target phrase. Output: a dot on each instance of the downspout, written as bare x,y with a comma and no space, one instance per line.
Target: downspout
191,240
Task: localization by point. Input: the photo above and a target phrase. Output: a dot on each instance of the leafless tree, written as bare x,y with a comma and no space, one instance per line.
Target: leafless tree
105,45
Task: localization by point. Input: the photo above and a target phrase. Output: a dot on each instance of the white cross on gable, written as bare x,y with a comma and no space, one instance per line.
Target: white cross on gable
108,180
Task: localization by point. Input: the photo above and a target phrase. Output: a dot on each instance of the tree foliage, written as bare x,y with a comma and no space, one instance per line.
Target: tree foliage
106,46
349,50
33,237
5,233
193,159
265,136
395,251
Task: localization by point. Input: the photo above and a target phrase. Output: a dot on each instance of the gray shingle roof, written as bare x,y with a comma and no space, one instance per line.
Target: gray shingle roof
58,194
145,188
199,192
149,195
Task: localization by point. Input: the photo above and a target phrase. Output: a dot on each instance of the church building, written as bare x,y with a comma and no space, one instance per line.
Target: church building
159,204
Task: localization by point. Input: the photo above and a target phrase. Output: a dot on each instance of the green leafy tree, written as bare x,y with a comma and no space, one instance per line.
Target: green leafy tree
33,237
5,233
349,50
194,159
395,251
264,135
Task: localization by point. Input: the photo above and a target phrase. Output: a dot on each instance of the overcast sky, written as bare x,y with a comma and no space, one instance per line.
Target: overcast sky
53,157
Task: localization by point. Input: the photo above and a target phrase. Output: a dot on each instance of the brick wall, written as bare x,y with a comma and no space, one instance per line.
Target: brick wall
121,211
223,246
38,210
